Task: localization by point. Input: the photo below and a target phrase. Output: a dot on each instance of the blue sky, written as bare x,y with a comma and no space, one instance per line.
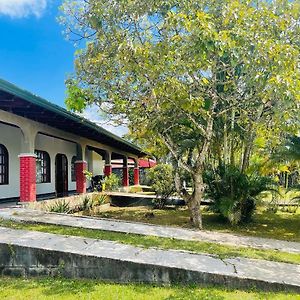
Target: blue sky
33,52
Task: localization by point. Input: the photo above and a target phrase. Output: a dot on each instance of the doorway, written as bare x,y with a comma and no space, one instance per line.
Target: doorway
61,175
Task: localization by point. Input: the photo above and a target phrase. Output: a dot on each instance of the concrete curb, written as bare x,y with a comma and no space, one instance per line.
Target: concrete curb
30,253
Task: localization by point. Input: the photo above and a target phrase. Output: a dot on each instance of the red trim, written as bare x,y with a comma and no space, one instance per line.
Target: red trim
107,170
136,176
147,163
27,178
125,176
80,167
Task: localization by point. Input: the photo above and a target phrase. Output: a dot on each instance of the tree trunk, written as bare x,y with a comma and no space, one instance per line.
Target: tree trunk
195,201
247,153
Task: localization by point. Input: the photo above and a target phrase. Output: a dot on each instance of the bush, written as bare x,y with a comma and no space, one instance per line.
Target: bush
111,183
161,179
60,206
235,193
99,199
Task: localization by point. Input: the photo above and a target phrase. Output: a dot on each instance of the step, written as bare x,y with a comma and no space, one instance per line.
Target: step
31,253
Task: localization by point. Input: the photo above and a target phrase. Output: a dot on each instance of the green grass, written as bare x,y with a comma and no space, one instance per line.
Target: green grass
64,289
280,225
222,251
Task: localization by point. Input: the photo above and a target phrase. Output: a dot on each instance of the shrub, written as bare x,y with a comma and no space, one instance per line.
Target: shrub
161,179
99,199
60,206
87,203
111,183
235,193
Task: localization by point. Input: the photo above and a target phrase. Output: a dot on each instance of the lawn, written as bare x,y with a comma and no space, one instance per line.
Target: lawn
222,251
64,289
280,225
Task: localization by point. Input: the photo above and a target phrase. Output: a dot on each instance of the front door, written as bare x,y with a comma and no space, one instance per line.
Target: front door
61,175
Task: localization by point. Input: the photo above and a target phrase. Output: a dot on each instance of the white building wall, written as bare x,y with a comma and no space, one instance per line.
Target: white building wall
95,163
55,146
11,137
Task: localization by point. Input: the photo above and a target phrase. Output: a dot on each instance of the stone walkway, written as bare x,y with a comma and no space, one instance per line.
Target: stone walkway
31,253
22,214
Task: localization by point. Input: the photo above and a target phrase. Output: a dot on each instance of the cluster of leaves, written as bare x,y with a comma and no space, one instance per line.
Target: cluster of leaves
198,79
89,202
161,179
111,182
60,206
235,193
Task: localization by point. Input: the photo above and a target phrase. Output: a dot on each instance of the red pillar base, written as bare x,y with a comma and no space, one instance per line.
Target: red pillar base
80,167
107,170
136,176
27,177
125,176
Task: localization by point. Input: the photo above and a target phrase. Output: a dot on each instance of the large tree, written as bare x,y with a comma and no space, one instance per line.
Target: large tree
181,70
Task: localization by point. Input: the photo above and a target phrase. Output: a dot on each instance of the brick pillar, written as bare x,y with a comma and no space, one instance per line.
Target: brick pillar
125,176
107,170
136,176
27,177
80,167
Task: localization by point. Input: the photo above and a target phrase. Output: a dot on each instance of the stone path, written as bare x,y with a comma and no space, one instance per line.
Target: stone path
35,253
22,214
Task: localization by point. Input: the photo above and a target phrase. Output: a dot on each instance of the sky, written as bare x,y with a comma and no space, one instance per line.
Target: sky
34,54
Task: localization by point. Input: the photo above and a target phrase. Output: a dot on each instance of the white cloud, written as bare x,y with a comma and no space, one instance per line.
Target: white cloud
22,8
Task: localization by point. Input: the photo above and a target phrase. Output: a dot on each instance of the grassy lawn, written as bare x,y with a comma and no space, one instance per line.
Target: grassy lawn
280,225
63,289
222,251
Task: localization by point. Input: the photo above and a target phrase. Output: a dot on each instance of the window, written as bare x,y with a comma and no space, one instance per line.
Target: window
42,167
3,165
73,173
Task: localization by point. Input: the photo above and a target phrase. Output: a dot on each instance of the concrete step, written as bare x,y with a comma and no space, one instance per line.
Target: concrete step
30,253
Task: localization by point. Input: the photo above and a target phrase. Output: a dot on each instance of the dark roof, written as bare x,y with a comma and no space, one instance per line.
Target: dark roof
25,104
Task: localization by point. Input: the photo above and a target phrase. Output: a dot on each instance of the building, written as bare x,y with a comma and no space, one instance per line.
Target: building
44,149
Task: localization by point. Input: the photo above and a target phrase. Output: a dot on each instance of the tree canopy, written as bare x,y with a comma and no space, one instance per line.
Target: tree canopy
205,78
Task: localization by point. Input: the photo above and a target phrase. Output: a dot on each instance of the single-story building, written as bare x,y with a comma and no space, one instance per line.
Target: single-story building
45,149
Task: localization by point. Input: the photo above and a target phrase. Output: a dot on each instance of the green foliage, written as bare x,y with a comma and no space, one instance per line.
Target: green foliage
87,204
60,206
234,193
195,80
111,183
99,199
88,175
161,179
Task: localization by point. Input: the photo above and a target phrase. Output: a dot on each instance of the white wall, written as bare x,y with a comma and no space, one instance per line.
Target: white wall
95,163
55,146
11,137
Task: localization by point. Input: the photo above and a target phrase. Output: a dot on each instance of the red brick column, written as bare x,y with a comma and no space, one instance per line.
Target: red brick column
27,177
125,176
136,176
107,170
80,167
